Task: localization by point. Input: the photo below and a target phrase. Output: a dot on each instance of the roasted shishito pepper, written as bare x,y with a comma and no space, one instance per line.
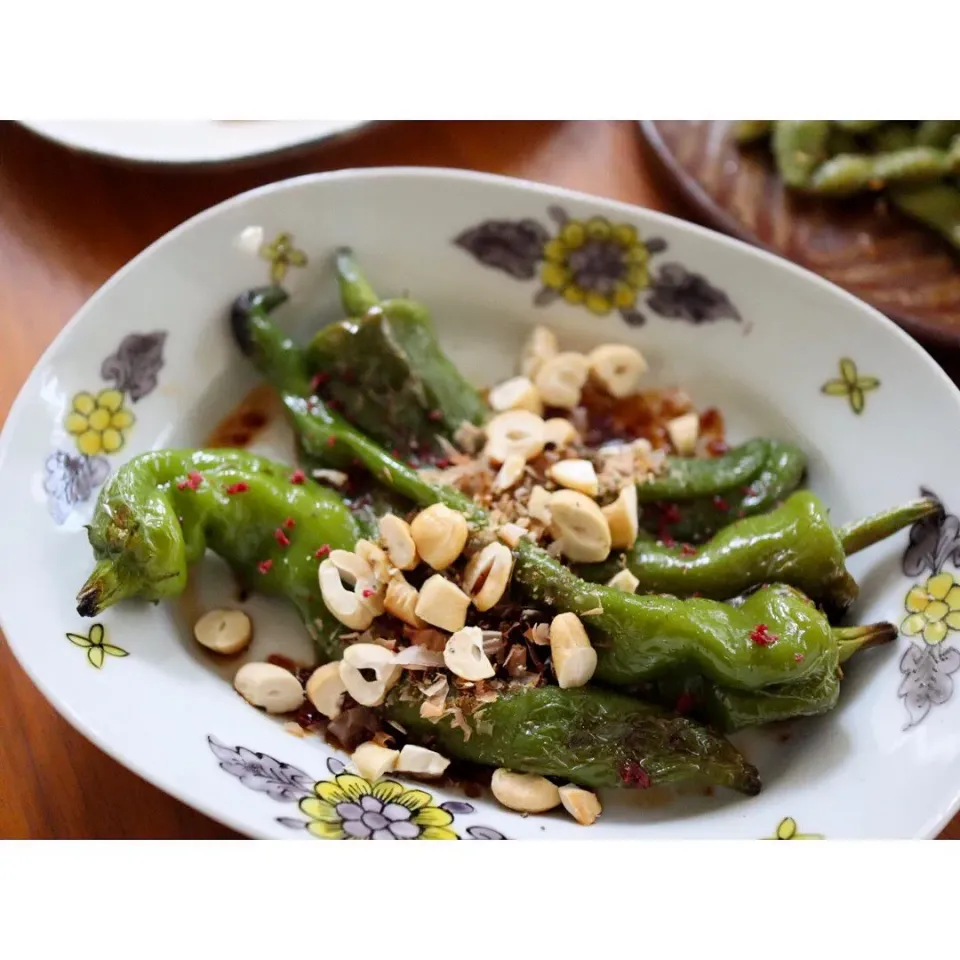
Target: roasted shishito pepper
793,544
384,368
775,636
159,512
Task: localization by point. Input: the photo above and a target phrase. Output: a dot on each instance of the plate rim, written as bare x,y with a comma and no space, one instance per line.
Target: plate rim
182,792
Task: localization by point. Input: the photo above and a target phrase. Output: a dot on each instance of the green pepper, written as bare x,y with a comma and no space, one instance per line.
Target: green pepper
159,512
593,737
935,205
731,710
638,638
694,498
793,544
384,368
799,147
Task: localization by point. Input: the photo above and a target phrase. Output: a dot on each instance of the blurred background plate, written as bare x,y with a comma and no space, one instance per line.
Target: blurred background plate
896,266
189,141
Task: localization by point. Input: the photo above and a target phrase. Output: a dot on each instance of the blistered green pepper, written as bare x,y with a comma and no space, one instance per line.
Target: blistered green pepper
159,512
793,544
384,368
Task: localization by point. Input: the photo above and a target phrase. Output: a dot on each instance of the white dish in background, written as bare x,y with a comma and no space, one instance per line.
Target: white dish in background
188,141
737,327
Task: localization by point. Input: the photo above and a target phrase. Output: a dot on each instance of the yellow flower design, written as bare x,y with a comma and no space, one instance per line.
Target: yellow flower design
351,808
282,255
787,830
850,385
934,608
99,422
596,263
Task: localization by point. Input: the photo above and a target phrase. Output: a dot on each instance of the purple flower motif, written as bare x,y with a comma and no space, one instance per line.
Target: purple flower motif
513,246
136,363
678,294
485,833
71,479
375,819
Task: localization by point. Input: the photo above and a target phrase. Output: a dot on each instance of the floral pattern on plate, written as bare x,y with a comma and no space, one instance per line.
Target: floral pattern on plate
850,385
933,614
99,422
348,807
787,830
598,264
281,254
95,645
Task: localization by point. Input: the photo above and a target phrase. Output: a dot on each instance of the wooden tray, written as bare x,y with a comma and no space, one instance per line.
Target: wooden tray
899,268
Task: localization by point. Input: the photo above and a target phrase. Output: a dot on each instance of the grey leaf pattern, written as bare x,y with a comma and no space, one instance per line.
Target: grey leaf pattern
678,294
136,363
293,823
485,833
933,541
70,479
280,781
457,807
926,678
513,246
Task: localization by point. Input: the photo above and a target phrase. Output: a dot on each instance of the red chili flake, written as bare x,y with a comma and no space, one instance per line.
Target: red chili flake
633,775
264,566
685,703
193,481
442,463
298,477
798,657
670,513
322,552
239,487
331,440
696,594
762,636
435,415
666,539
748,491
281,537
289,523
319,379
720,503
688,550
395,453
367,592
717,448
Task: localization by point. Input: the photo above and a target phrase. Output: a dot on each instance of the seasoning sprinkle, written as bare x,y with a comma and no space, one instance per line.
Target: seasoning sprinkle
798,657
685,703
720,503
762,636
319,379
289,523
322,551
281,537
239,487
632,774
331,440
367,592
192,481
435,415
688,550
298,477
264,566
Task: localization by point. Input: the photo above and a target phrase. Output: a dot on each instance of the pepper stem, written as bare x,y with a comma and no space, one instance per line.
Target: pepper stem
864,533
356,294
104,587
852,640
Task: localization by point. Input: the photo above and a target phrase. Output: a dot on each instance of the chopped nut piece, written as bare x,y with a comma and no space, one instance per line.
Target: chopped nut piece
368,656
223,631
683,432
269,686
519,393
559,432
487,575
622,518
336,478
401,601
617,368
624,580
516,432
541,345
581,804
418,658
348,606
574,659
421,761
579,527
440,535
464,656
575,475
373,760
468,437
442,604
524,792
510,473
561,378
325,689
399,542
510,533
538,504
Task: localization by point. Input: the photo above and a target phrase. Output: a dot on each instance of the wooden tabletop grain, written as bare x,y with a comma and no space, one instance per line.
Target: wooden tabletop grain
67,222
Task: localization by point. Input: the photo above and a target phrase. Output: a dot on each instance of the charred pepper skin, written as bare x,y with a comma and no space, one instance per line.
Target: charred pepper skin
384,367
696,498
159,513
793,544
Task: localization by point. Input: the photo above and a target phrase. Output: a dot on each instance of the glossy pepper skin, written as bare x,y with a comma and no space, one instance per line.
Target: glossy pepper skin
793,544
694,498
595,738
159,512
147,530
384,368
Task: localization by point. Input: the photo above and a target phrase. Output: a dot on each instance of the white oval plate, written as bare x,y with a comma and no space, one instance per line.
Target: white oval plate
739,328
188,141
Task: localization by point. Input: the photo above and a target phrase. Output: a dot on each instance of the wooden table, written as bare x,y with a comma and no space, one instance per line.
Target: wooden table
67,222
